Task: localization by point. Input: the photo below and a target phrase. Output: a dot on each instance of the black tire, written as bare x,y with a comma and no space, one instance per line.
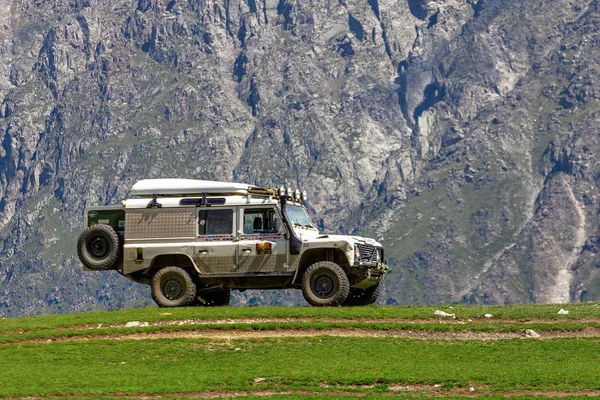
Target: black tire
173,287
363,297
325,284
99,248
214,299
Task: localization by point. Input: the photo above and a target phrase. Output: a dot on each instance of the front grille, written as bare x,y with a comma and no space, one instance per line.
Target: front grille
366,253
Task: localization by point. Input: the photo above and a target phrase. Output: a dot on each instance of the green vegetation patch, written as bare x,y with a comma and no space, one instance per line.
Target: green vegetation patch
164,366
382,327
577,311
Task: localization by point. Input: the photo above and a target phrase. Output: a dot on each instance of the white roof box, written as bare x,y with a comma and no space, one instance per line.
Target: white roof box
148,187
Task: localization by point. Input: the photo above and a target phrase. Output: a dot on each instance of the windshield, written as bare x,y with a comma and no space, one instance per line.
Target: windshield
298,216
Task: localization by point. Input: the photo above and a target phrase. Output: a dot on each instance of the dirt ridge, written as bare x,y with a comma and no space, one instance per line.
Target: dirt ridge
392,391
335,332
249,321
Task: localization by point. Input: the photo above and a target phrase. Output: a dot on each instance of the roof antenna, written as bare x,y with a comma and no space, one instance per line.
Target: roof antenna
204,201
154,203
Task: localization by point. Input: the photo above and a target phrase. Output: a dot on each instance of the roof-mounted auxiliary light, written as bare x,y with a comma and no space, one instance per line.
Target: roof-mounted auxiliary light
303,195
281,191
297,195
290,192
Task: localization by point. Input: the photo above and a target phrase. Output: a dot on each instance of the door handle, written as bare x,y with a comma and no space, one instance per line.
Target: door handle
246,250
203,251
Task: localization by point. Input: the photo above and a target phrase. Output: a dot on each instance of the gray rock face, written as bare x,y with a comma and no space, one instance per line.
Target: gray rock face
462,134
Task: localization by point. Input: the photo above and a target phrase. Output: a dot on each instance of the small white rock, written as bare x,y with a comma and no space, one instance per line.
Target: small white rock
444,314
132,324
237,349
488,315
257,380
561,311
531,333
471,389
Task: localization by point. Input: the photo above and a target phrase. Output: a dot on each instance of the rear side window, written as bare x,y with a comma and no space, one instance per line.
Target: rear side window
215,222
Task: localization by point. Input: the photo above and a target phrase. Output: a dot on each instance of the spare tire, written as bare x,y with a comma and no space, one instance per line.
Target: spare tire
99,248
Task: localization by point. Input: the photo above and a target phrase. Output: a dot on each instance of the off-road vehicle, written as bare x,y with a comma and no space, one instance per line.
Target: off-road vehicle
194,241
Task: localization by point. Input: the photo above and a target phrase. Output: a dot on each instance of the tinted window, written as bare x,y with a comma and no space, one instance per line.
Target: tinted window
259,220
215,222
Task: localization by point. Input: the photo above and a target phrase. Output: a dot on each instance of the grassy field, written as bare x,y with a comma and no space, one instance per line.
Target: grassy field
301,352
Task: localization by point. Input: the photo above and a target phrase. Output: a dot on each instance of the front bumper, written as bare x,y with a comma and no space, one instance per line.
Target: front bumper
371,275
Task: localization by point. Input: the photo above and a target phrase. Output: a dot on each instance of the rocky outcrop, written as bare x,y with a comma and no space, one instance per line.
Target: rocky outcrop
460,133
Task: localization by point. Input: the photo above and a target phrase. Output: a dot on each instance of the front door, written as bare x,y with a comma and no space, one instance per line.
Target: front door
261,249
214,251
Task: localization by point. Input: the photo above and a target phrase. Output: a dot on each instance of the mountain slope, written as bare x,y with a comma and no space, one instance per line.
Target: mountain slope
461,134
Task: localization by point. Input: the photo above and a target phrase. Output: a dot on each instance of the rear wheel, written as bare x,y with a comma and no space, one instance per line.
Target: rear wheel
325,284
363,297
173,287
99,247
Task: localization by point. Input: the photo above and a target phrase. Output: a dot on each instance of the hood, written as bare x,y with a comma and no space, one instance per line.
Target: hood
348,238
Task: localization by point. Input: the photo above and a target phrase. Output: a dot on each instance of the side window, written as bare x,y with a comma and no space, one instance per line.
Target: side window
215,222
259,220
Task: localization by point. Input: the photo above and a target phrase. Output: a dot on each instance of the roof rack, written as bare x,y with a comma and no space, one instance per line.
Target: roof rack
186,187
194,187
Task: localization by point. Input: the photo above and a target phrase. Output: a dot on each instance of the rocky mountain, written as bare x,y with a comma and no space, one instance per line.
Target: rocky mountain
463,134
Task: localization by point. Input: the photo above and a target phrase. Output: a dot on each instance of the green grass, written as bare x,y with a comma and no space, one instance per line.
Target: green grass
188,365
34,363
438,327
152,314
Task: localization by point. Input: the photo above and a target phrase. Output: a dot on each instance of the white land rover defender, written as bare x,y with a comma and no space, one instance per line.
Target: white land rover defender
194,241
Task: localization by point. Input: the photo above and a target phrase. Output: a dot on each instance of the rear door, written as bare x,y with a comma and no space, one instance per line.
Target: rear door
261,248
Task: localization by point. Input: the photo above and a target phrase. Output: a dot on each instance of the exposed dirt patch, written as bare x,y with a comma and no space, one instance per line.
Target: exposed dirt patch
342,332
392,391
250,321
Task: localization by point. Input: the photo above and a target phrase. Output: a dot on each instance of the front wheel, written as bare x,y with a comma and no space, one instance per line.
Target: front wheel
173,287
325,284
